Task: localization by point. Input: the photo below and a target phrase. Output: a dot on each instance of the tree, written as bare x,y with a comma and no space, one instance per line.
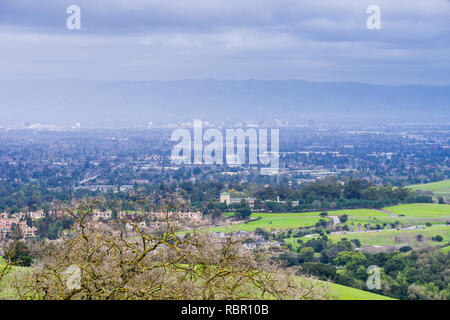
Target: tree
405,249
306,254
18,254
15,233
351,260
157,264
343,218
244,213
321,270
353,189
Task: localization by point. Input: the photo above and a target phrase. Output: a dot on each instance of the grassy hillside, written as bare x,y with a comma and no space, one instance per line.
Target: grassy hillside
346,293
441,188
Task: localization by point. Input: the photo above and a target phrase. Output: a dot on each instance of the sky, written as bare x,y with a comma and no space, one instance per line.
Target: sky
140,40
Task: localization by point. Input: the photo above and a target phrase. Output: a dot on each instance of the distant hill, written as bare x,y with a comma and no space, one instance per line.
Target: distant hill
132,103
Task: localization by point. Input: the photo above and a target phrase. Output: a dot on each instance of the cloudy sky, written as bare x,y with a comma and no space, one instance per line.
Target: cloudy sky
136,40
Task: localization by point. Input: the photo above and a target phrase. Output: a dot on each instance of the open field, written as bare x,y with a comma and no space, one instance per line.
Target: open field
414,214
441,188
271,224
391,237
422,210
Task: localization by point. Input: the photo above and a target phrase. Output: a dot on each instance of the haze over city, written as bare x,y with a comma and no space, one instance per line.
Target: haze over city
54,75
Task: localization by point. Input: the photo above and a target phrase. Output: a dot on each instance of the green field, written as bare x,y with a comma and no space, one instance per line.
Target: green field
271,223
422,210
441,188
347,293
446,249
359,213
391,237
415,214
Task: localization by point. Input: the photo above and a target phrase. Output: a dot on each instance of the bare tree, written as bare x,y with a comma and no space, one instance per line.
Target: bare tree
96,261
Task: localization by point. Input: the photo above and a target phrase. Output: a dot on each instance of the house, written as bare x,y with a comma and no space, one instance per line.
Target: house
102,215
37,215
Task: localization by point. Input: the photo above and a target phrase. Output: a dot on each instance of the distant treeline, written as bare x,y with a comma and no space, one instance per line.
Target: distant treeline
323,194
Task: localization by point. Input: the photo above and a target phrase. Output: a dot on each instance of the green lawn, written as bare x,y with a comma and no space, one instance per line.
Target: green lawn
441,188
422,210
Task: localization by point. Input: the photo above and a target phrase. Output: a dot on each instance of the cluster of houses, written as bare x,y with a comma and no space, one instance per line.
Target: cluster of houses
7,222
156,219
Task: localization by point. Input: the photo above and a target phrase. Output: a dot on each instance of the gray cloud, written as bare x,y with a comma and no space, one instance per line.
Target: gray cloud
267,39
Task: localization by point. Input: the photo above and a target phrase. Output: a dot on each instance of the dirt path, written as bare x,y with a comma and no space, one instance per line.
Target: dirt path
389,213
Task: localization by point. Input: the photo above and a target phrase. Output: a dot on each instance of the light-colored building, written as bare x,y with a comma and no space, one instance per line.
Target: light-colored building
102,215
225,197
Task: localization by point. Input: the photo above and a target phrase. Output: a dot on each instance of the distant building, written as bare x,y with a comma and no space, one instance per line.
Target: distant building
102,215
6,225
225,197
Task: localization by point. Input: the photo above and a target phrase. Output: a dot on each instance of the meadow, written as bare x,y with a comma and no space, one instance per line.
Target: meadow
422,210
391,237
414,214
271,223
441,188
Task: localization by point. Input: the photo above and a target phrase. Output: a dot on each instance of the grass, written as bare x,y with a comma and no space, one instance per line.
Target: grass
359,213
282,221
270,223
422,210
392,237
446,249
6,290
348,293
441,188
